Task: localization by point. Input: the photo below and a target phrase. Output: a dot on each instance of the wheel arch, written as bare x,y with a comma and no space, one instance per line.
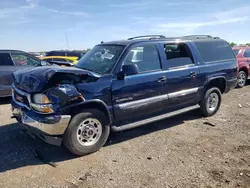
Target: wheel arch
90,104
245,69
218,81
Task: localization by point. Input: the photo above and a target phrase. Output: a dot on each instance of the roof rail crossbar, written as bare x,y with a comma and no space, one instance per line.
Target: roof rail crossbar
147,36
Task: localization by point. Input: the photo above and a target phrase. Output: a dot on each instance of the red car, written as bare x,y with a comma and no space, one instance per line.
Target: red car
243,56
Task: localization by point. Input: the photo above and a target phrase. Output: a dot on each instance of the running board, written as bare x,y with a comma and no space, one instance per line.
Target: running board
153,119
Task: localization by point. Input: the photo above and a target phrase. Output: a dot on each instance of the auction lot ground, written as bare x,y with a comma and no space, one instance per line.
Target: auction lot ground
184,151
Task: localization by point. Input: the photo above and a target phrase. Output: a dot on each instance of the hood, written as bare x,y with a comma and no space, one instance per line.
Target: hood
40,78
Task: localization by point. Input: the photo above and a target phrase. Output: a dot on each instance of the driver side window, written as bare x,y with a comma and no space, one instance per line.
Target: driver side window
145,57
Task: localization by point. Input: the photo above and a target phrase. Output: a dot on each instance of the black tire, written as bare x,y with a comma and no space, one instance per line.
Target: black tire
242,79
70,139
206,111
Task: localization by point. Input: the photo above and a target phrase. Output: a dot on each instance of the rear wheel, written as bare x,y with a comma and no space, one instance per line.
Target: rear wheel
242,79
87,132
211,102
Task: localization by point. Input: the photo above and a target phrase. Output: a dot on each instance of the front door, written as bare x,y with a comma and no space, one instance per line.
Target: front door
6,70
139,94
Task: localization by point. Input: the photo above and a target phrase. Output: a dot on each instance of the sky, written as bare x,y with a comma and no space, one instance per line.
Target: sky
42,25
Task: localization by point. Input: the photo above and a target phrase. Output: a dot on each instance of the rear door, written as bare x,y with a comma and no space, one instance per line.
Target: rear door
181,73
6,70
139,94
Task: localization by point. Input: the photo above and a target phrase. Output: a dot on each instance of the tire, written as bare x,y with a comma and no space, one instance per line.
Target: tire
242,79
211,102
83,125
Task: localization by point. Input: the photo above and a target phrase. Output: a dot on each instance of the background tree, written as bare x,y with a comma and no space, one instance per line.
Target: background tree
233,44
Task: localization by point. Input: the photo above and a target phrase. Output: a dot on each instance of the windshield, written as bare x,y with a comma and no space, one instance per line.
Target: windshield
236,52
101,58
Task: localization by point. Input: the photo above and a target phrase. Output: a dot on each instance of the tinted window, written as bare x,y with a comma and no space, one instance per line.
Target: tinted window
146,57
178,55
247,53
73,54
216,50
23,59
101,58
5,59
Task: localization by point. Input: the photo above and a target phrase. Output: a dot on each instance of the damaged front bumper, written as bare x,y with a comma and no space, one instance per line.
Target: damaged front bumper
49,128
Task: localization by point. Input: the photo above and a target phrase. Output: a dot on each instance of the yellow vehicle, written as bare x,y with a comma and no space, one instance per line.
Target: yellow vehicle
60,59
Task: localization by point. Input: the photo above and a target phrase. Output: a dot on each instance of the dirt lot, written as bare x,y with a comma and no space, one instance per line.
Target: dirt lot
185,151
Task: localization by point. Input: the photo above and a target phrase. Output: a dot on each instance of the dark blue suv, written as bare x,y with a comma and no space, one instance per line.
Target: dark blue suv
121,85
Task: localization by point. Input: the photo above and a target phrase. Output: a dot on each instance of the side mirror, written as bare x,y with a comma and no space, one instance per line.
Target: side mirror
44,63
127,70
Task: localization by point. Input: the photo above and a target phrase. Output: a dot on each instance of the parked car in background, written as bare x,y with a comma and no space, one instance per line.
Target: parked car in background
121,85
61,59
66,53
243,56
10,61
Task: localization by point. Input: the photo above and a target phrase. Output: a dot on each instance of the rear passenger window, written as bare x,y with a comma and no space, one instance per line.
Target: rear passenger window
217,50
146,57
5,59
178,55
247,53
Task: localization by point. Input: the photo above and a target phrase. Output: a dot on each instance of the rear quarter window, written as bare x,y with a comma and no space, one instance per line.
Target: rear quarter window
217,50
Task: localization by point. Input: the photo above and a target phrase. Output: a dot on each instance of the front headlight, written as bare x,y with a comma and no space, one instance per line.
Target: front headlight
40,99
41,103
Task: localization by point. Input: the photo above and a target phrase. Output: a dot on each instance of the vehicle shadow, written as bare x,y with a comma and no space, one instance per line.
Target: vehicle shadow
17,149
5,100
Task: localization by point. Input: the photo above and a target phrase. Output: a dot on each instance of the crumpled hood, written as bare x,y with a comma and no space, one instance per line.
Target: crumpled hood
35,79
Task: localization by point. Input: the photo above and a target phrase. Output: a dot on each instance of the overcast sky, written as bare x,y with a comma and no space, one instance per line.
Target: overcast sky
34,25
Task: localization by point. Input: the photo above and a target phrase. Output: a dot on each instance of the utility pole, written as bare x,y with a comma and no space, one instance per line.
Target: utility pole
66,36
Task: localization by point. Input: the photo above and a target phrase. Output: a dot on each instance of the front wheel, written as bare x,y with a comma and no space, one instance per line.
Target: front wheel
211,102
87,132
242,79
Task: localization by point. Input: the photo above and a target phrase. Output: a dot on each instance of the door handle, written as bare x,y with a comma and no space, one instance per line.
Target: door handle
162,79
193,74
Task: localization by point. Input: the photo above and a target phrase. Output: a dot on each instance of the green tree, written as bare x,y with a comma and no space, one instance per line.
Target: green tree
233,44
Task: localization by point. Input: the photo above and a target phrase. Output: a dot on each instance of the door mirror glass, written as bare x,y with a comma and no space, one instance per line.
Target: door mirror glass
127,70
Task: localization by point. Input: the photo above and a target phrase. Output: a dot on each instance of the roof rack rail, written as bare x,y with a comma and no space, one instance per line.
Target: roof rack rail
147,36
197,36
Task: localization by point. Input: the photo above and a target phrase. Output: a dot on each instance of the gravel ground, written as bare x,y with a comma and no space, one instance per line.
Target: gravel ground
184,151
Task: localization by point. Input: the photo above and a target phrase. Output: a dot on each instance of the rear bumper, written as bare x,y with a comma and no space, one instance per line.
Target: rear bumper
231,84
49,128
